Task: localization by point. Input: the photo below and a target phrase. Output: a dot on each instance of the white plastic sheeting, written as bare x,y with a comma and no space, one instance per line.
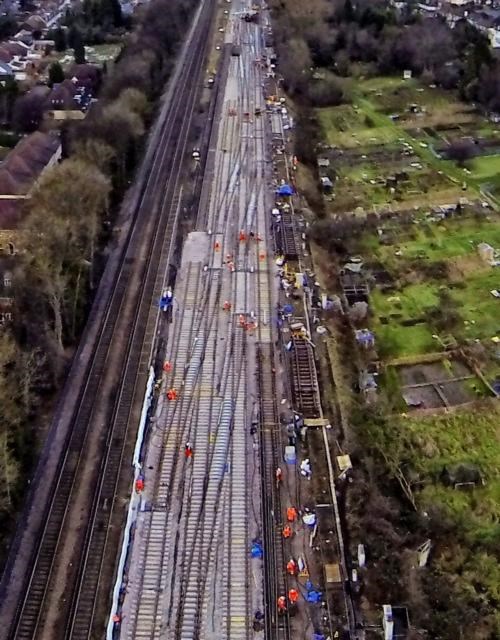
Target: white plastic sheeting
134,504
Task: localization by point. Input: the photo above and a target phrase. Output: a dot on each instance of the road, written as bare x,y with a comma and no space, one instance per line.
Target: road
189,572
57,576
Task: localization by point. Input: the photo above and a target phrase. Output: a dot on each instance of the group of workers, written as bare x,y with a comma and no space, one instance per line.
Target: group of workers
293,597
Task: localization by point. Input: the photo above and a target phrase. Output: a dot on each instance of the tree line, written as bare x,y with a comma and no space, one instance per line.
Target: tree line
68,221
321,43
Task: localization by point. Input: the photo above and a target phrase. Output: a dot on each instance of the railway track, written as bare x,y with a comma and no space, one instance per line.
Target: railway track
304,382
277,626
189,573
127,315
285,237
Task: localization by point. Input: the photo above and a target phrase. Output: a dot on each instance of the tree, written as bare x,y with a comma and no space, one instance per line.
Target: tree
27,112
61,233
348,14
96,153
9,92
59,37
10,419
461,151
56,74
8,26
78,48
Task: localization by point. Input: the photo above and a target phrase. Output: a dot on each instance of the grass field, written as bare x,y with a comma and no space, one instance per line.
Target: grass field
452,238
366,123
470,437
449,248
386,163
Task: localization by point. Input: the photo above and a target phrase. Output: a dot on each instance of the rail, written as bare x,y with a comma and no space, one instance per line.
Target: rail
31,612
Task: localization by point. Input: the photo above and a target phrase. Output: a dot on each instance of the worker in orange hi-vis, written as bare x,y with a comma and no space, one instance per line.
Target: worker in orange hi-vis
243,236
172,394
117,618
291,567
188,450
287,531
241,320
281,604
279,476
167,366
293,596
291,514
227,305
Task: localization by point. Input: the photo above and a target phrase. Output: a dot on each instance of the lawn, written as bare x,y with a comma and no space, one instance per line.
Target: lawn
478,308
452,238
102,52
470,437
97,54
394,312
394,340
485,167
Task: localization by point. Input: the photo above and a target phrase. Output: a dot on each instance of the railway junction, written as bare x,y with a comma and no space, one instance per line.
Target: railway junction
232,530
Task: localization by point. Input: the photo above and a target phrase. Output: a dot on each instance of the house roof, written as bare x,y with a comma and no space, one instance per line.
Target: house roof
26,161
62,95
9,185
5,69
5,54
10,213
16,48
34,23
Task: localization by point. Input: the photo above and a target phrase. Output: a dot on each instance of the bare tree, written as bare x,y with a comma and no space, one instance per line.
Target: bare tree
461,151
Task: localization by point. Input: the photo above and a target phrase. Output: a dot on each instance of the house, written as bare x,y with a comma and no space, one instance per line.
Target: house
24,36
24,165
43,46
34,23
5,54
68,101
6,71
19,173
86,75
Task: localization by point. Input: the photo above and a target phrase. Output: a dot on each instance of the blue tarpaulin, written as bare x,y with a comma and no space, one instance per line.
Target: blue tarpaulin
257,551
313,596
285,190
318,636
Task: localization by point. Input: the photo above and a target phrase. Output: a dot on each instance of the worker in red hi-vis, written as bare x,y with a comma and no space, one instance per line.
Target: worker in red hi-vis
241,320
279,476
227,305
281,604
172,394
291,567
188,450
293,596
117,618
167,366
291,514
287,531
243,236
